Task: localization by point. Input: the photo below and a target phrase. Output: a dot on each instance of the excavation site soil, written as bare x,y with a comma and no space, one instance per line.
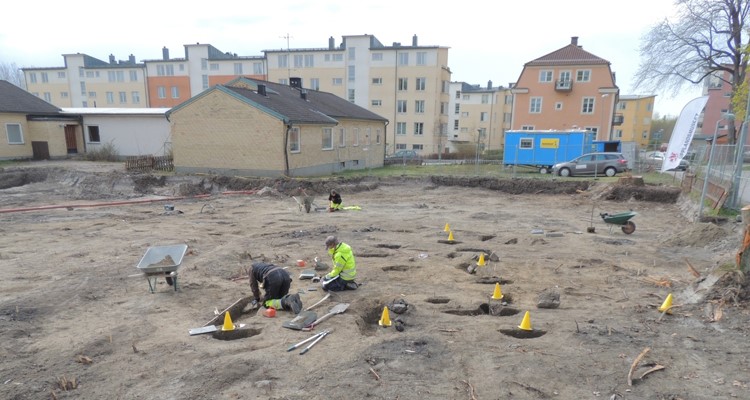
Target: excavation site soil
578,316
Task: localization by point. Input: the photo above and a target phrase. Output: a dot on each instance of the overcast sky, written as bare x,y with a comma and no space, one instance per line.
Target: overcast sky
487,40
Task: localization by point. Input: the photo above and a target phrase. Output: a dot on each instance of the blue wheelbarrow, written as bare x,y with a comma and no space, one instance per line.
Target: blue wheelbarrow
621,219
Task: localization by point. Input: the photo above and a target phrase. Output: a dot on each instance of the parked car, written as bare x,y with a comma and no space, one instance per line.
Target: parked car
403,155
608,164
656,159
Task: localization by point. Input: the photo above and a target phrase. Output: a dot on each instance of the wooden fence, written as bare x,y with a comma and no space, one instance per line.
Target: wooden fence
149,163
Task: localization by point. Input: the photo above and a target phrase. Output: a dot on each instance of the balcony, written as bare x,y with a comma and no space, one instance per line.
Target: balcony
618,119
563,85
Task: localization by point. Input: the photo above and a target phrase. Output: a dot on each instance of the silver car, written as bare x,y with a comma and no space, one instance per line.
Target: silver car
608,164
656,158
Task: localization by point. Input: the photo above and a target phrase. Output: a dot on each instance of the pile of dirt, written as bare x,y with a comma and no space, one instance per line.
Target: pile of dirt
656,194
697,235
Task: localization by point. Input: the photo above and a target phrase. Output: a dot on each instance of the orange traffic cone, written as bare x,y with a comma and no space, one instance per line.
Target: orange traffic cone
228,325
525,323
450,236
385,319
667,305
481,260
497,294
447,228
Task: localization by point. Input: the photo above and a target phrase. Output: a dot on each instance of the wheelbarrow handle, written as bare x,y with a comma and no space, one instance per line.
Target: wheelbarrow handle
309,346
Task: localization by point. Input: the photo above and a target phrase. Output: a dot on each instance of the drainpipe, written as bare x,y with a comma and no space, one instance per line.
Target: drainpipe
286,149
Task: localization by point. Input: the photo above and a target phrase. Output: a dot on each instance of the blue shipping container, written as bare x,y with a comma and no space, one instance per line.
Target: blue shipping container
543,149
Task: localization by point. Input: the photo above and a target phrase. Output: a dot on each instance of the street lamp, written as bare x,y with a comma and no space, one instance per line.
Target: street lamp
728,117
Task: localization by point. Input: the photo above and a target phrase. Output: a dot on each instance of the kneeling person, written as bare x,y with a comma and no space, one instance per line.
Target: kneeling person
344,267
276,282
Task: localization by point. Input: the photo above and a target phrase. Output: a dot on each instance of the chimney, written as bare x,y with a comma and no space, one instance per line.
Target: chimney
414,40
574,40
295,82
262,90
396,44
303,94
331,43
489,84
112,59
165,53
131,59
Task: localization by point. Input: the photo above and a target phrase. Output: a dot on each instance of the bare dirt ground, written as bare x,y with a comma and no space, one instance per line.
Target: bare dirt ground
77,319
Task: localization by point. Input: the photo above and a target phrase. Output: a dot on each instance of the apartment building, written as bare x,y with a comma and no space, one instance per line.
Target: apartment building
479,117
568,88
636,113
406,84
719,91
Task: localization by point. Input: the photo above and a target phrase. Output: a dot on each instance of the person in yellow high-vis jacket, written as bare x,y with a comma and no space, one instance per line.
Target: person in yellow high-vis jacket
344,269
335,201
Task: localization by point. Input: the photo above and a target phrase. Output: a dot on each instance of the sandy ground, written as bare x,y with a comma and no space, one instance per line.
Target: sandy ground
77,319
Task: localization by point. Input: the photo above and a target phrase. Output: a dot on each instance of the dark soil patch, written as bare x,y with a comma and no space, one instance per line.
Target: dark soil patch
11,179
657,194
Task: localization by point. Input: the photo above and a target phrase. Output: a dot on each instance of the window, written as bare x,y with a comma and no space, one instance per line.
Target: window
238,68
161,92
111,77
315,83
351,73
283,60
294,140
351,96
403,84
355,137
159,71
14,133
377,81
204,82
123,97
485,99
508,99
418,128
45,77
545,76
337,57
458,94
309,61
121,76
48,97
421,83
85,104
527,127
61,75
337,81
400,146
377,56
621,105
377,135
583,75
83,88
110,98
417,146
558,106
483,116
64,95
175,92
133,75
93,131
342,137
421,58
352,53
419,106
565,77
455,125
90,74
588,105
327,139
32,76
443,108
282,81
403,58
258,68
376,103
526,143
535,105
464,114
457,109
135,98
401,106
214,66
467,97
297,60
400,128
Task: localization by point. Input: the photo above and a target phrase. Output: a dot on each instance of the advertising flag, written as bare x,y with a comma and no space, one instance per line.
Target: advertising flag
683,132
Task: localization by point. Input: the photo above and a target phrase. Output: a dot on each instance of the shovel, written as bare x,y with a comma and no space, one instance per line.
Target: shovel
337,309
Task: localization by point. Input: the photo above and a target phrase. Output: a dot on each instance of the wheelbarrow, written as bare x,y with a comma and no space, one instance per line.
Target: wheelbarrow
622,219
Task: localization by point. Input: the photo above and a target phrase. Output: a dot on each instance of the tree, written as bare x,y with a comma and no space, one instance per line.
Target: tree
706,38
11,73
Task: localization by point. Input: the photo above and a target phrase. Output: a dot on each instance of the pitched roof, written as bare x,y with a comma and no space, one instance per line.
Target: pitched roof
571,54
286,102
13,99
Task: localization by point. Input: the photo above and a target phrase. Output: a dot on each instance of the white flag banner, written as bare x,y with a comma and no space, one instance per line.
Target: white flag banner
683,132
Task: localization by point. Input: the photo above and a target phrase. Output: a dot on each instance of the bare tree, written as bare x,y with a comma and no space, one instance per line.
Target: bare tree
11,73
705,39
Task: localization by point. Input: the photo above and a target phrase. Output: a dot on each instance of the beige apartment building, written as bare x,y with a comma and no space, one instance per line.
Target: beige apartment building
479,117
406,84
636,113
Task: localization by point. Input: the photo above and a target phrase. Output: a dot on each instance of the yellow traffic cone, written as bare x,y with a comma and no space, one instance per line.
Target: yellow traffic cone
228,325
385,319
481,260
525,323
667,305
450,236
447,228
497,294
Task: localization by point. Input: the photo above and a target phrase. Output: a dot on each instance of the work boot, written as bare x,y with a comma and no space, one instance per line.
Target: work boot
291,302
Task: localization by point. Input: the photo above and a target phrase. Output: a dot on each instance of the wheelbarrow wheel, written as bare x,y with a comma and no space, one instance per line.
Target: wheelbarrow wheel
628,227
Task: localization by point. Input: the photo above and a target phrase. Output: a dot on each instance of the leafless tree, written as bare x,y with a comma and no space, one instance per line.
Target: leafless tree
706,38
11,73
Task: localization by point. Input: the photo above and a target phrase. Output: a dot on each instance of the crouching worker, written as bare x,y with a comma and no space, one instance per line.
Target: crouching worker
344,267
276,282
335,201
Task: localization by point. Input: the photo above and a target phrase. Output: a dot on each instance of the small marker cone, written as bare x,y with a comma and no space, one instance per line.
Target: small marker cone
385,319
228,325
667,305
497,294
447,228
450,236
481,260
525,323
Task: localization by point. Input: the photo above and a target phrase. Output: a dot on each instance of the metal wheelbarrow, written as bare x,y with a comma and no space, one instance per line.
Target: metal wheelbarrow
162,261
622,219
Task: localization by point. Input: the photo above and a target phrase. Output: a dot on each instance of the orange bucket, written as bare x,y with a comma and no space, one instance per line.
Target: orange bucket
301,263
269,312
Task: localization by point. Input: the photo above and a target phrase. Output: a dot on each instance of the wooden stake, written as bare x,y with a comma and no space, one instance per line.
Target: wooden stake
635,365
377,377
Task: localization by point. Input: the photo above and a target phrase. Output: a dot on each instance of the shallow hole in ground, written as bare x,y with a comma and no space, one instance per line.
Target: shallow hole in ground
388,246
495,309
438,300
372,255
399,268
240,333
493,280
485,238
523,334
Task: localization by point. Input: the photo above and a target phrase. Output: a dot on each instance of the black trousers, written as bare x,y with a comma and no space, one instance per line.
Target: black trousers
277,284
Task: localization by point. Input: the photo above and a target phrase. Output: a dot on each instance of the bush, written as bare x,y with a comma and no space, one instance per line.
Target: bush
107,152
